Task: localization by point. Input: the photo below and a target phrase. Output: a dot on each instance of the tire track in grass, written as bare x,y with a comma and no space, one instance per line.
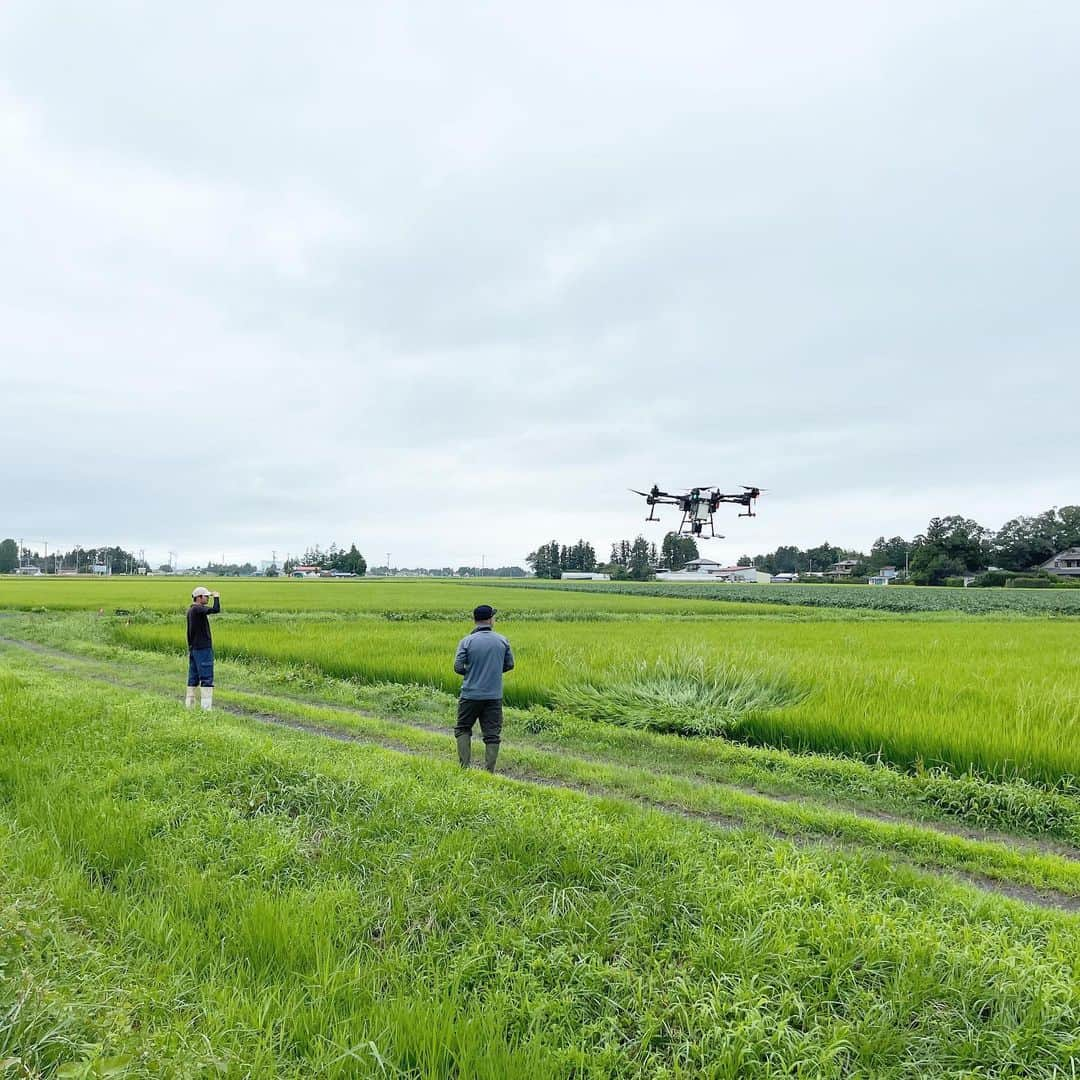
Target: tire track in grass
517,772
1017,842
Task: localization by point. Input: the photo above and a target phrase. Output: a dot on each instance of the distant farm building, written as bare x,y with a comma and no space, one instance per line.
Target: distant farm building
699,566
582,575
305,571
29,571
709,570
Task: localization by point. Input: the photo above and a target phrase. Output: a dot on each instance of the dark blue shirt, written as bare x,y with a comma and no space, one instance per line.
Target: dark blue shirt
198,625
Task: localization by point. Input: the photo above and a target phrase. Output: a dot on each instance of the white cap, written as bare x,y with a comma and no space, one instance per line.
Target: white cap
200,591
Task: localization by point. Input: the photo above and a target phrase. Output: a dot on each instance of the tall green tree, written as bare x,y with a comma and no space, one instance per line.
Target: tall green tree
640,569
1024,542
676,551
892,552
545,560
9,556
950,546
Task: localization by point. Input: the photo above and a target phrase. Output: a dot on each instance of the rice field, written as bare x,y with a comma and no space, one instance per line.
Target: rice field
1001,698
343,596
730,839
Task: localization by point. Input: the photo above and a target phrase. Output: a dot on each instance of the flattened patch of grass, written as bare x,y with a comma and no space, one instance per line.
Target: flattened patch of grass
688,693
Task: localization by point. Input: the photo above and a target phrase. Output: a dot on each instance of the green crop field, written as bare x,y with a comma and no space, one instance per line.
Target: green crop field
370,595
729,837
999,697
898,599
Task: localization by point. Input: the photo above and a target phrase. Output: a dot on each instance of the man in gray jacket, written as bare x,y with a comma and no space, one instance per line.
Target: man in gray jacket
482,657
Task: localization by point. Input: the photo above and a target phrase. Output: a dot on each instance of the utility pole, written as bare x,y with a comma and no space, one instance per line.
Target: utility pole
388,564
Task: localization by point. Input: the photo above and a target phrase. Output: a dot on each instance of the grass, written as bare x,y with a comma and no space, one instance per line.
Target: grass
397,598
688,693
196,894
1001,698
705,779
925,794
265,904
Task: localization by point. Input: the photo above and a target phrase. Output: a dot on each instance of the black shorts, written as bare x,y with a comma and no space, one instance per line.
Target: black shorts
489,713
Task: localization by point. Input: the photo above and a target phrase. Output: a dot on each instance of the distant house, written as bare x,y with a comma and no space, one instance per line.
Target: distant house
784,578
305,571
29,571
1064,564
581,575
843,568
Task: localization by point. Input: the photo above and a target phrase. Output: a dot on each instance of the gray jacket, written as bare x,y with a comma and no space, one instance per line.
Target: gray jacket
482,657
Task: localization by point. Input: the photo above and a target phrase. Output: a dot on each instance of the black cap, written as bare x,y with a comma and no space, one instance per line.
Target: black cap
482,612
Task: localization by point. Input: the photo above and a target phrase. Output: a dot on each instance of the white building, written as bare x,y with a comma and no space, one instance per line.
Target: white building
709,570
582,575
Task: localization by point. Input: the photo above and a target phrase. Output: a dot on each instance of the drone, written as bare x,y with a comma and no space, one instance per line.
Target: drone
698,506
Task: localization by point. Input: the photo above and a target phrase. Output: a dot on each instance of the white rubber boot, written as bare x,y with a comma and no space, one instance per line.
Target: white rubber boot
189,698
207,696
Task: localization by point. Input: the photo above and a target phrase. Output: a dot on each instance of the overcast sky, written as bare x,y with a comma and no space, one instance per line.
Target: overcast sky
446,280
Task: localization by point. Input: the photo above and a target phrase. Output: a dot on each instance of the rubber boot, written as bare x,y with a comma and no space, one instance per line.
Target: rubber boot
189,697
491,754
464,750
207,697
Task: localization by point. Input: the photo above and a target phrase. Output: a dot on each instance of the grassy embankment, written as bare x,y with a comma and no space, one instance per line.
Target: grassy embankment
184,894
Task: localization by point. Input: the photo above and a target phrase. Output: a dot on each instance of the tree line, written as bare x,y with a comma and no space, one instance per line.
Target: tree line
637,559
949,547
333,558
115,559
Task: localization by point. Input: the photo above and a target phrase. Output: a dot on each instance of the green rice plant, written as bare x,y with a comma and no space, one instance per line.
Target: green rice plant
999,698
304,908
686,692
397,599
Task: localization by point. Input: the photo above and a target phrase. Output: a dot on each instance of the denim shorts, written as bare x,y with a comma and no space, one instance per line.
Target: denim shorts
200,670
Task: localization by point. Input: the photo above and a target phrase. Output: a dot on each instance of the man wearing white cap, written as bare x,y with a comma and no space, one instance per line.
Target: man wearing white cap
201,647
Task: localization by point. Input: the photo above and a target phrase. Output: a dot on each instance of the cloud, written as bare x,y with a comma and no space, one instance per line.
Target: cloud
436,281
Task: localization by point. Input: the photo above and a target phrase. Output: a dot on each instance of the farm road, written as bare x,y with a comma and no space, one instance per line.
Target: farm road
537,766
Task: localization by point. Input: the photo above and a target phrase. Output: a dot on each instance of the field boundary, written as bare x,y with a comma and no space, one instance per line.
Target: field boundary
1048,898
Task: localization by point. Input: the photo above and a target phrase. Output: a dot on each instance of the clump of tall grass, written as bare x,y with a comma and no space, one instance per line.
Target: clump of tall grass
686,692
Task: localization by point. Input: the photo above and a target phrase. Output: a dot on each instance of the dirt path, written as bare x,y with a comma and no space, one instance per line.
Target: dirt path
93,670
